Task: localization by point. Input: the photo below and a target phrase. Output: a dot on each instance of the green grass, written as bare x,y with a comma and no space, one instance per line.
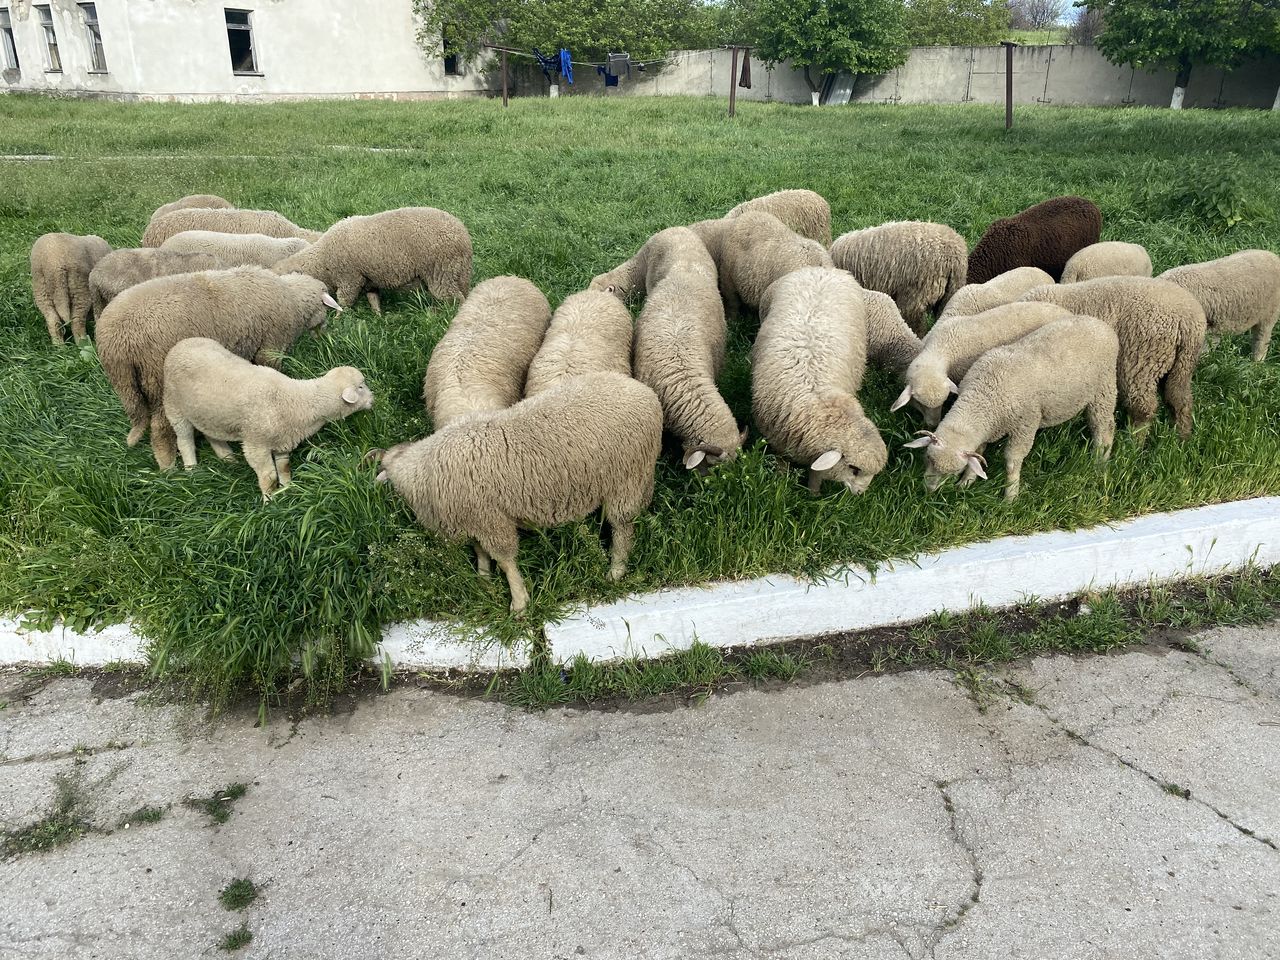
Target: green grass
144,814
65,822
238,894
1035,38
232,592
242,936
218,805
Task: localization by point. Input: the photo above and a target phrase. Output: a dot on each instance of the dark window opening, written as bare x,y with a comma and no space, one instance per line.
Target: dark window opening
52,59
97,56
240,40
6,41
451,66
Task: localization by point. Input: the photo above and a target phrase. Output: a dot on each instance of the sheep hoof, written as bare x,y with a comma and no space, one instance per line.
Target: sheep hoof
617,572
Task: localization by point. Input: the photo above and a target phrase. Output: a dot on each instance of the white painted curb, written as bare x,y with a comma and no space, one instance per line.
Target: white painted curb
999,573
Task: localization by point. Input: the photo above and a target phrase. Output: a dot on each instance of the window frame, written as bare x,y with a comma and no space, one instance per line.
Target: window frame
52,53
448,54
9,43
93,31
247,27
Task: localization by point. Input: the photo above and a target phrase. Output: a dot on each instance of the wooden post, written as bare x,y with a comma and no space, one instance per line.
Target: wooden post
505,101
733,83
1008,84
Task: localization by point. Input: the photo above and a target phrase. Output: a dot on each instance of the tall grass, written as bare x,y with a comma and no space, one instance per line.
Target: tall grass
233,591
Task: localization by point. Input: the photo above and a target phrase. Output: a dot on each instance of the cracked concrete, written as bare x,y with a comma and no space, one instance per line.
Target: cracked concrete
876,817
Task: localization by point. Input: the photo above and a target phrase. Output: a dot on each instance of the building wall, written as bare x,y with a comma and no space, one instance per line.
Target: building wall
178,50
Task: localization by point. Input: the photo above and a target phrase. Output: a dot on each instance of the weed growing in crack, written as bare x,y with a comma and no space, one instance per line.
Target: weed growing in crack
242,936
67,821
218,805
238,894
144,814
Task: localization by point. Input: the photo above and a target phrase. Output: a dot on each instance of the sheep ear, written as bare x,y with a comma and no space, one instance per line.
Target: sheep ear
329,302
903,398
611,289
918,442
826,461
975,464
350,395
742,437
694,458
951,386
382,477
373,456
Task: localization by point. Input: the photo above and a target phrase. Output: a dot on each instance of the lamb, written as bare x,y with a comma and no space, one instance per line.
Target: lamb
952,346
589,333
1238,293
1043,236
652,262
122,269
805,212
409,247
236,249
60,268
891,344
806,369
679,350
920,264
249,310
1111,258
1007,287
760,249
1161,329
199,201
210,389
712,233
591,442
1042,380
481,362
268,222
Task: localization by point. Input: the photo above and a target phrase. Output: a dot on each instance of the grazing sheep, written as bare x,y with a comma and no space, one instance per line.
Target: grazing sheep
891,344
806,369
652,262
409,247
1044,379
805,212
1238,293
481,362
1007,287
251,311
589,333
60,268
236,249
712,234
758,250
1111,258
1161,329
590,443
210,389
198,201
920,264
268,222
679,349
1043,236
952,346
122,269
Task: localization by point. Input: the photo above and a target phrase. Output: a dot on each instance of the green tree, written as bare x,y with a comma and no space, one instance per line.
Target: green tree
824,37
946,23
1180,34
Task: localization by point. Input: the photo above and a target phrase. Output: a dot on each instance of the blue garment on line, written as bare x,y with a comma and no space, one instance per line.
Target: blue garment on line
566,65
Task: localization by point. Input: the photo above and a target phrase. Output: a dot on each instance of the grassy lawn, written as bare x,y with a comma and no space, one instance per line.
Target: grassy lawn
232,591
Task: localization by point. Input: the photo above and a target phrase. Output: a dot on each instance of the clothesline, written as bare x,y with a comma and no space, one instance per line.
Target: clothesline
641,64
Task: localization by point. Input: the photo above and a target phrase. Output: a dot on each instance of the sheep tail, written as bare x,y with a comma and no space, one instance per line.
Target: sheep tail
955,280
124,376
62,297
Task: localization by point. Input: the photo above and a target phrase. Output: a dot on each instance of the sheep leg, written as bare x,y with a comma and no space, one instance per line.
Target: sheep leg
186,435
284,473
1141,400
815,482
375,301
622,532
1015,451
44,303
484,563
507,564
1262,340
80,306
1102,424
264,466
222,449
164,442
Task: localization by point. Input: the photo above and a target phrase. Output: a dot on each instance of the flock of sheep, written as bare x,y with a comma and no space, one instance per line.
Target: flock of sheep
541,418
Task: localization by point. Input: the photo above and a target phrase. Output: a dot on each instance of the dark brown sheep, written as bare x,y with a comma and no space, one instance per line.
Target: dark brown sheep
1043,236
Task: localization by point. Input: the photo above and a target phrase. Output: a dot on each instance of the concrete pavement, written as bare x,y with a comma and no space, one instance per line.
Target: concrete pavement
1113,807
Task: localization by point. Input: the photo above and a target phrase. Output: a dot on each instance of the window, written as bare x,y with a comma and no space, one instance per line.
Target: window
240,39
6,40
97,57
52,61
450,58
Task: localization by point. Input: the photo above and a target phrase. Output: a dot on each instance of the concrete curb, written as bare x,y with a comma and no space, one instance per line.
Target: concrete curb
998,573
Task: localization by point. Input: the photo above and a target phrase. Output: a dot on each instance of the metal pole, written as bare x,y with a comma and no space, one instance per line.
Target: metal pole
1008,85
505,103
733,83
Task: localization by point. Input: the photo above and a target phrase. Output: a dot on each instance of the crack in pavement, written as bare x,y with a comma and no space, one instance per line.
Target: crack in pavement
950,924
64,754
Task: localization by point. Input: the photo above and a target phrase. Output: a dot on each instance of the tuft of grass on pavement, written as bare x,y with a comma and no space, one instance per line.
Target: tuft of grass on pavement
218,805
238,894
242,936
65,822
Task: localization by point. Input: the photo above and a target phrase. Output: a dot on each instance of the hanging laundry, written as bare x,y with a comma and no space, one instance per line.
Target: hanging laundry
566,66
746,69
616,63
610,80
548,65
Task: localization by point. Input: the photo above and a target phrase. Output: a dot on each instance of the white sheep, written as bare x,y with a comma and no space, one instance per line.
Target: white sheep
1007,287
121,269
590,332
1238,293
1044,379
1110,258
805,212
222,220
652,262
199,201
236,249
60,268
225,397
590,443
891,344
758,250
951,347
481,362
806,369
920,264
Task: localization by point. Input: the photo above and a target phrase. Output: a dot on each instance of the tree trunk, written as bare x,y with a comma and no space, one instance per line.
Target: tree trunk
1276,105
809,80
1180,83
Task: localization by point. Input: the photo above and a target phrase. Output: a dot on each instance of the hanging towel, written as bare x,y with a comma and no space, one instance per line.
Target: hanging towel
746,69
566,66
616,63
548,64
